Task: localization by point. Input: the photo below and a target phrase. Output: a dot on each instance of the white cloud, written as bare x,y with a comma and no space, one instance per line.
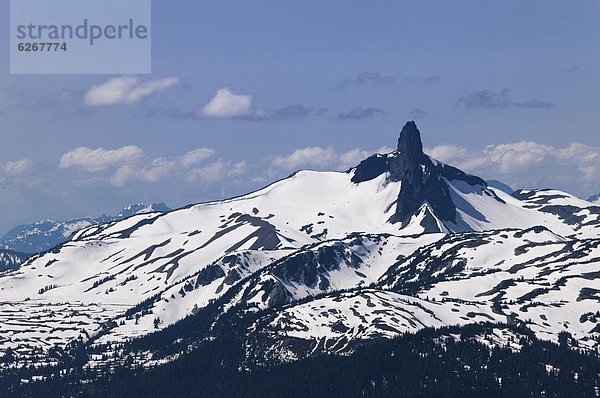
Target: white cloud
17,167
217,171
196,156
239,168
131,163
352,158
160,168
226,105
157,170
582,152
208,174
318,157
306,157
93,160
126,90
355,156
517,156
447,152
503,158
529,164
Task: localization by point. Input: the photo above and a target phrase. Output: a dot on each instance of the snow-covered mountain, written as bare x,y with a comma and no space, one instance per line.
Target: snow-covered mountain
594,199
46,234
318,262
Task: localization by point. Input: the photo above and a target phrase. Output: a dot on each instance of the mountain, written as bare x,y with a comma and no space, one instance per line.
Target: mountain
11,260
139,208
594,199
501,186
43,235
316,264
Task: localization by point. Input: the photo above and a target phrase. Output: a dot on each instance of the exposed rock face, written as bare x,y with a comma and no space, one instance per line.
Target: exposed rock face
410,146
422,180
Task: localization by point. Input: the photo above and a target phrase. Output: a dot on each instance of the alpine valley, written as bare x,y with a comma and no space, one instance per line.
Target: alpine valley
402,276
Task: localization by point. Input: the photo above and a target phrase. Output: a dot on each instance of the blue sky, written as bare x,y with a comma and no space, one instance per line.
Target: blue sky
246,92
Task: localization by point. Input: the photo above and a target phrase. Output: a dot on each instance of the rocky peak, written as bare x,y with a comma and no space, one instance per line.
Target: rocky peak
422,181
409,157
409,142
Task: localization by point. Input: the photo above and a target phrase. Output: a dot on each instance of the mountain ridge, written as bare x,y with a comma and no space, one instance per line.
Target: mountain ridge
46,234
319,262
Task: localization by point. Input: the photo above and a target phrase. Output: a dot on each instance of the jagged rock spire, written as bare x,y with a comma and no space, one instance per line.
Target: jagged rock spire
409,155
421,180
410,140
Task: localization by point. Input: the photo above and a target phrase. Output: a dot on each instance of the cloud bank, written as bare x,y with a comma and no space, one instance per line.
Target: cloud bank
376,79
361,114
527,164
323,158
18,167
226,104
93,160
486,99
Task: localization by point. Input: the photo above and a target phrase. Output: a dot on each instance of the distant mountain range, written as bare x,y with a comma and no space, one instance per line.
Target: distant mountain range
594,199
318,264
44,235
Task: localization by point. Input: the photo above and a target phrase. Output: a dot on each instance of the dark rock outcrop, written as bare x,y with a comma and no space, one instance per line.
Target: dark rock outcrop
422,180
